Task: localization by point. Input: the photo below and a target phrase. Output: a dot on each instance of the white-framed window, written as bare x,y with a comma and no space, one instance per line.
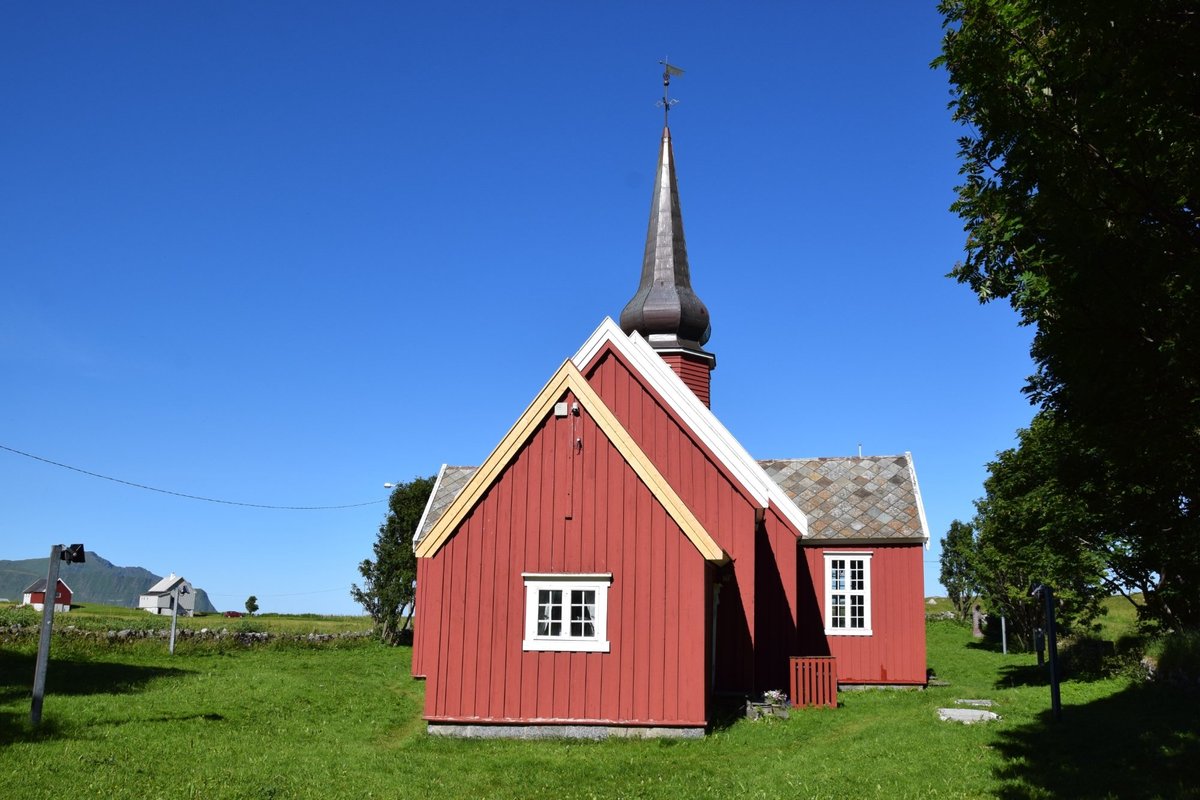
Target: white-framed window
847,593
567,611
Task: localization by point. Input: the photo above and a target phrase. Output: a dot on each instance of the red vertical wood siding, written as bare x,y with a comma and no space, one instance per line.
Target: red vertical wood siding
696,373
756,617
894,653
419,630
473,595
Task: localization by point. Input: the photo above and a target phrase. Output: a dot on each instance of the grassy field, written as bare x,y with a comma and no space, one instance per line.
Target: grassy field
343,720
97,617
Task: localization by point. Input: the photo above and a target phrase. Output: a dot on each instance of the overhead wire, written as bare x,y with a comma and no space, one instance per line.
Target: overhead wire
184,494
281,594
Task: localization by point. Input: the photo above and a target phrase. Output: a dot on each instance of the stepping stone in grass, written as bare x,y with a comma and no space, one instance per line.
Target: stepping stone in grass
977,703
966,716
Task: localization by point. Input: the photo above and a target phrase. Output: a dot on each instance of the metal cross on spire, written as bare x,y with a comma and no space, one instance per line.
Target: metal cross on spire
666,102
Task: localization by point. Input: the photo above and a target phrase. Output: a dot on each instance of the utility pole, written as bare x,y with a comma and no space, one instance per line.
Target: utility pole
72,554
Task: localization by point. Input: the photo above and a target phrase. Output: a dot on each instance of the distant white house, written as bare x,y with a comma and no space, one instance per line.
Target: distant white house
157,599
35,595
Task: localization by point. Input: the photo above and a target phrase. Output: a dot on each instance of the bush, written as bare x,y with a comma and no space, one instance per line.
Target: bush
19,615
1088,657
1178,657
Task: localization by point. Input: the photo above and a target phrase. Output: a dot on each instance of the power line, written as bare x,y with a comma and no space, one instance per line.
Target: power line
285,594
184,494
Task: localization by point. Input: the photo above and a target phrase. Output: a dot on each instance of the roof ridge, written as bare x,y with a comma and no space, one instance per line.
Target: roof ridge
833,458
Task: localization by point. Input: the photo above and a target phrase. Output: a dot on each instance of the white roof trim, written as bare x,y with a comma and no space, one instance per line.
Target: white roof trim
698,417
912,473
428,505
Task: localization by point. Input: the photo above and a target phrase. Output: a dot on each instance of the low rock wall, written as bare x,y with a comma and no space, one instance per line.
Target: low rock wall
202,635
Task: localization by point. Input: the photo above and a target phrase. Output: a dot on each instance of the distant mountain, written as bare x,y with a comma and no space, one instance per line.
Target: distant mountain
97,580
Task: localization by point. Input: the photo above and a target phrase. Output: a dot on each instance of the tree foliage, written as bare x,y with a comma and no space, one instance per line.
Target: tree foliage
251,604
958,573
1081,171
389,580
1035,523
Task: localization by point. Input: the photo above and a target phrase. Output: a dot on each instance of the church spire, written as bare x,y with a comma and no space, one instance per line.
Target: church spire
665,310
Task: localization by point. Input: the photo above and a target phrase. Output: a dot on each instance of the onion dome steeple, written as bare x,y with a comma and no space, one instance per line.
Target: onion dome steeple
665,310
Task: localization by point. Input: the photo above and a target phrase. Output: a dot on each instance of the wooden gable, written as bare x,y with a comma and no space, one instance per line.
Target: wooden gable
569,379
568,495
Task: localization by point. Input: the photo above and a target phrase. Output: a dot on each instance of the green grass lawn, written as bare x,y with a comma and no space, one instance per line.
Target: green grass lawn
97,617
129,721
1118,619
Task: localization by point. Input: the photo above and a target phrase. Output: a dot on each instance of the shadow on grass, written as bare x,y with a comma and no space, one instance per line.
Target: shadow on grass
727,710
1142,742
1078,663
67,677
1022,675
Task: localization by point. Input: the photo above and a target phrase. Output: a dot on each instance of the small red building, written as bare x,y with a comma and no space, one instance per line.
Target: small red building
35,595
619,560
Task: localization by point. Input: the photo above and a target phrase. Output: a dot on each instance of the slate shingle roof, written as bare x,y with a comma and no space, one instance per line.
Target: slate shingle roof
450,483
867,497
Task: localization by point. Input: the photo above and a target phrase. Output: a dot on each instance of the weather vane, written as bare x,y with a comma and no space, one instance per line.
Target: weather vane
666,102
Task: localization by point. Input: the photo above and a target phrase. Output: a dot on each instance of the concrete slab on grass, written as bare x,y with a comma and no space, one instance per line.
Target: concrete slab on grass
966,716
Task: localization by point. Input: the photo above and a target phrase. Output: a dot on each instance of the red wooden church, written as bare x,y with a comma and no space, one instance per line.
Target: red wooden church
619,560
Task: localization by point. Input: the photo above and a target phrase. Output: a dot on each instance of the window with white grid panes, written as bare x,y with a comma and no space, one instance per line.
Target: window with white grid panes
566,612
847,594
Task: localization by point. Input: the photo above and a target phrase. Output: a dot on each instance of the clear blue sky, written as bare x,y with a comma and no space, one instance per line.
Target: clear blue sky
280,253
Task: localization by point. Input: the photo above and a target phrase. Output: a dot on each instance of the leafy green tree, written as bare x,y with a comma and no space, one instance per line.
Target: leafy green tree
251,604
1036,524
1081,170
389,581
958,567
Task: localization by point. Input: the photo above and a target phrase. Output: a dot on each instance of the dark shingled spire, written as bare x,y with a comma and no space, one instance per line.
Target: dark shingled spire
665,310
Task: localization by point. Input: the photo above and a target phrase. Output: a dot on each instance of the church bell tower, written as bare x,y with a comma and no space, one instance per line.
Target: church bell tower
665,309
